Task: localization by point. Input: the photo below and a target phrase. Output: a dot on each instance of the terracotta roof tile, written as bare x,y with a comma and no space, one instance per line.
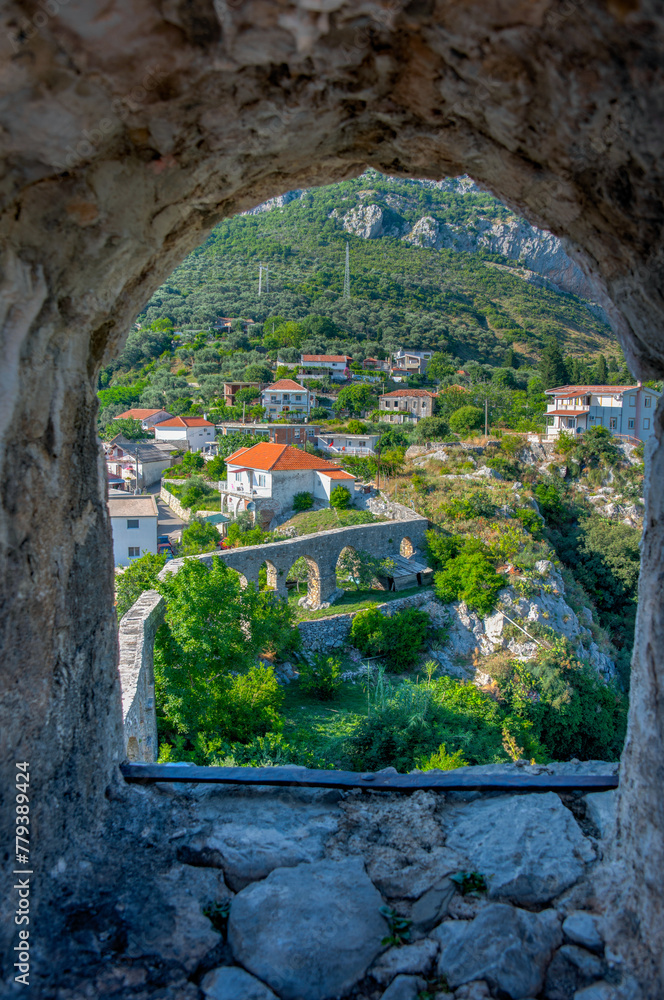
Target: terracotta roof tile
285,384
408,392
579,390
138,414
279,457
185,422
338,358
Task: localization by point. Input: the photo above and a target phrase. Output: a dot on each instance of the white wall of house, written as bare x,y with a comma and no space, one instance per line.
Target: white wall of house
178,434
286,483
193,438
290,401
629,414
351,444
133,537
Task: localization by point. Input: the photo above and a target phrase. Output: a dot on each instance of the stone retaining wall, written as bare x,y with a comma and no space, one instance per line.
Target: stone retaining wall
334,631
173,502
136,668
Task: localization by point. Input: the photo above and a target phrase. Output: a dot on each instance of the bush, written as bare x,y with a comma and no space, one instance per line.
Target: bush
340,498
139,576
465,508
195,490
322,678
303,501
470,577
530,521
398,638
467,419
199,537
216,468
431,429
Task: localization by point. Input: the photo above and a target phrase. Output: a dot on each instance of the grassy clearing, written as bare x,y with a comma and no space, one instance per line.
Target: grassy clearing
311,521
321,727
353,600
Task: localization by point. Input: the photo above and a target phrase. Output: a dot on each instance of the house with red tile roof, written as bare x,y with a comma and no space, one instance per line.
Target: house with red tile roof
191,433
148,418
405,406
269,475
624,410
331,362
287,397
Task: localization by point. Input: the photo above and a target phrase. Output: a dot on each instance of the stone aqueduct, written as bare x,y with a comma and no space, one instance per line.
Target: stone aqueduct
321,551
128,132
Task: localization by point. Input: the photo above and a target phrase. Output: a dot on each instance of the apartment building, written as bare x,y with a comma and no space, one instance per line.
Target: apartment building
625,410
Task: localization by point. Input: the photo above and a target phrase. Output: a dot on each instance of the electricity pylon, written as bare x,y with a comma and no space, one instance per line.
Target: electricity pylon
347,274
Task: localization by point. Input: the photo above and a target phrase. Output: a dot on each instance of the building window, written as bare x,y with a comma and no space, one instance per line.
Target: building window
613,423
646,424
286,396
261,480
238,475
273,399
630,424
132,523
298,399
632,400
647,401
134,551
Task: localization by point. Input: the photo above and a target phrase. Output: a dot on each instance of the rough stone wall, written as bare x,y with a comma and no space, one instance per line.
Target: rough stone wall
333,631
128,134
136,635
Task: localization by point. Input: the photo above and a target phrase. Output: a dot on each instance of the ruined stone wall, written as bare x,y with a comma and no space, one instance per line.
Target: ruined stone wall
136,636
321,549
333,632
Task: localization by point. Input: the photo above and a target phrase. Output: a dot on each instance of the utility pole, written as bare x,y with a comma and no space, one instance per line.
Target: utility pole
260,279
267,280
486,418
347,274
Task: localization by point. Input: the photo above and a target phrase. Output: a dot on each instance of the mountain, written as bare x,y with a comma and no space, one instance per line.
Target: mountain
433,264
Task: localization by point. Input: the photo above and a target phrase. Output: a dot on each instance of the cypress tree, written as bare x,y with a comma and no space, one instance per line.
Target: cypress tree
601,373
552,366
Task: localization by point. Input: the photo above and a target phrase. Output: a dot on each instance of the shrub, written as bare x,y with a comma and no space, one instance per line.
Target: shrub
303,501
139,576
530,521
398,638
431,429
252,704
195,490
216,468
192,461
322,678
340,498
466,419
465,508
199,537
441,760
470,577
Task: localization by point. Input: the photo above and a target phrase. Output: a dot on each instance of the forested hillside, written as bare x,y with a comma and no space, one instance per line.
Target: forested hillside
443,265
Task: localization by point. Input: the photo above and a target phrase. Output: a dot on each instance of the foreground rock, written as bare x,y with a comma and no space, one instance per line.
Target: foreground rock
231,983
309,932
529,847
507,947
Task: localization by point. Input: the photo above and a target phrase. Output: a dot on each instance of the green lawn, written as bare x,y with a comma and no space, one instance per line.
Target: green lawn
353,600
310,521
319,727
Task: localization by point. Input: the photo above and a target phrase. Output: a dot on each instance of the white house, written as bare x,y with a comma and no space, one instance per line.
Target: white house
412,361
287,396
148,418
348,444
153,458
134,527
331,362
625,410
269,475
190,433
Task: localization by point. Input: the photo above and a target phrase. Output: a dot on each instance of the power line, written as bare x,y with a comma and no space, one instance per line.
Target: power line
347,274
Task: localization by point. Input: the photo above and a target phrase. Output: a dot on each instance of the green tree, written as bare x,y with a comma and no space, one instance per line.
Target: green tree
257,373
470,577
128,428
355,398
247,396
192,461
466,419
441,366
139,576
360,568
199,536
194,491
431,429
207,678
215,469
340,498
601,374
552,365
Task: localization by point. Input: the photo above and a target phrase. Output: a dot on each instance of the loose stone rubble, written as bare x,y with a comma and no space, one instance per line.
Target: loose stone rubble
268,894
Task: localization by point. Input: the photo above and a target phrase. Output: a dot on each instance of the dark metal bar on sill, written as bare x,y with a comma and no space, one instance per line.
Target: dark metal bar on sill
447,781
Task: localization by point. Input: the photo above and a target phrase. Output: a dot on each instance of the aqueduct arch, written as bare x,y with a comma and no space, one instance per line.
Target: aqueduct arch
128,137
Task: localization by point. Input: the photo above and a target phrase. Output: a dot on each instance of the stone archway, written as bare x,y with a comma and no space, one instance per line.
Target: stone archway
552,106
406,548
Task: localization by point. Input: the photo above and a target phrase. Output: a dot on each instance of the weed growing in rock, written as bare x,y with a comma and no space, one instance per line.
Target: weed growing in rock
399,928
218,914
469,883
